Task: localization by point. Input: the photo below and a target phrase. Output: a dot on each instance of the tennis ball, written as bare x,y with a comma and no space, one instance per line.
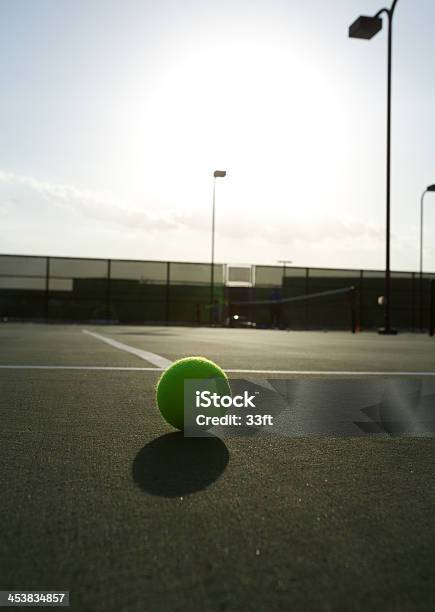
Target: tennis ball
170,392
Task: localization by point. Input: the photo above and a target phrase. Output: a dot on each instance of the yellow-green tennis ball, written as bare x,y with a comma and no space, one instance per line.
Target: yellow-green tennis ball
171,391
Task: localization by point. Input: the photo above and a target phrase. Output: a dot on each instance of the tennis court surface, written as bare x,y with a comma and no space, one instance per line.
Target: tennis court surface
100,497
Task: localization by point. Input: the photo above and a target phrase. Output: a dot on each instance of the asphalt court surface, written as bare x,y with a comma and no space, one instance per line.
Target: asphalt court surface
101,498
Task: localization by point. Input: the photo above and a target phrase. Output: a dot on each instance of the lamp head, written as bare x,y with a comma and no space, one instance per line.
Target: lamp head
365,27
431,188
219,173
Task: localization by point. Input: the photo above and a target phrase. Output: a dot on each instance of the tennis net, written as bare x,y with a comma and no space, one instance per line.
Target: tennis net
332,309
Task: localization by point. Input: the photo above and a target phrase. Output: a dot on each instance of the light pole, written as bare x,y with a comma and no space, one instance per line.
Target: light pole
216,174
429,188
366,27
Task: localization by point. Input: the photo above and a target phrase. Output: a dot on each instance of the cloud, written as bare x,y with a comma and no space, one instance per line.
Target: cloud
92,205
327,229
104,209
7,205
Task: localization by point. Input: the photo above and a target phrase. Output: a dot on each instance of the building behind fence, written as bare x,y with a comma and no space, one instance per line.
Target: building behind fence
160,292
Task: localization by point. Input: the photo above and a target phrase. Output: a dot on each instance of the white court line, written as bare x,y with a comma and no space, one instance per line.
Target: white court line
65,367
329,373
163,363
156,360
230,371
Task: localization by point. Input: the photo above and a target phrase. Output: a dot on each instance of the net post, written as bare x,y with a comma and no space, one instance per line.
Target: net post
431,307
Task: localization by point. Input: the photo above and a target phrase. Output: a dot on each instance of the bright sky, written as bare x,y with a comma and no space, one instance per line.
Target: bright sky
114,115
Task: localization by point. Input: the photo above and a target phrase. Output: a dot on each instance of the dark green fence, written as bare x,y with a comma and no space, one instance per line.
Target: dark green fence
69,289
410,297
75,289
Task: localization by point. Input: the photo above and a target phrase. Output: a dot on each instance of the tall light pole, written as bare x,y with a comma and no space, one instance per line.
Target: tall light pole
366,27
216,174
429,188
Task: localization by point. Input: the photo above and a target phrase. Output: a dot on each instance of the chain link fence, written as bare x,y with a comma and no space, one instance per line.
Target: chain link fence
158,292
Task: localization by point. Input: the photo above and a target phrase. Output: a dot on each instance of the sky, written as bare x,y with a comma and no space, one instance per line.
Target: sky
114,115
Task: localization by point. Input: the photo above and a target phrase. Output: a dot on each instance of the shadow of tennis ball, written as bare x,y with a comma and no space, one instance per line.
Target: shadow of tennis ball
173,466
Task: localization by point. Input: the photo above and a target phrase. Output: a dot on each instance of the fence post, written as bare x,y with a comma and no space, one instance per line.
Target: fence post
307,282
47,289
413,301
167,296
352,310
431,307
108,292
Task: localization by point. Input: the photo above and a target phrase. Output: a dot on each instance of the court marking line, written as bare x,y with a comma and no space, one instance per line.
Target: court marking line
65,367
156,360
163,363
229,370
329,373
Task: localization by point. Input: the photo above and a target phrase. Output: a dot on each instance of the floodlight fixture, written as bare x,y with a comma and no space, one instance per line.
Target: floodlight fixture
365,27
